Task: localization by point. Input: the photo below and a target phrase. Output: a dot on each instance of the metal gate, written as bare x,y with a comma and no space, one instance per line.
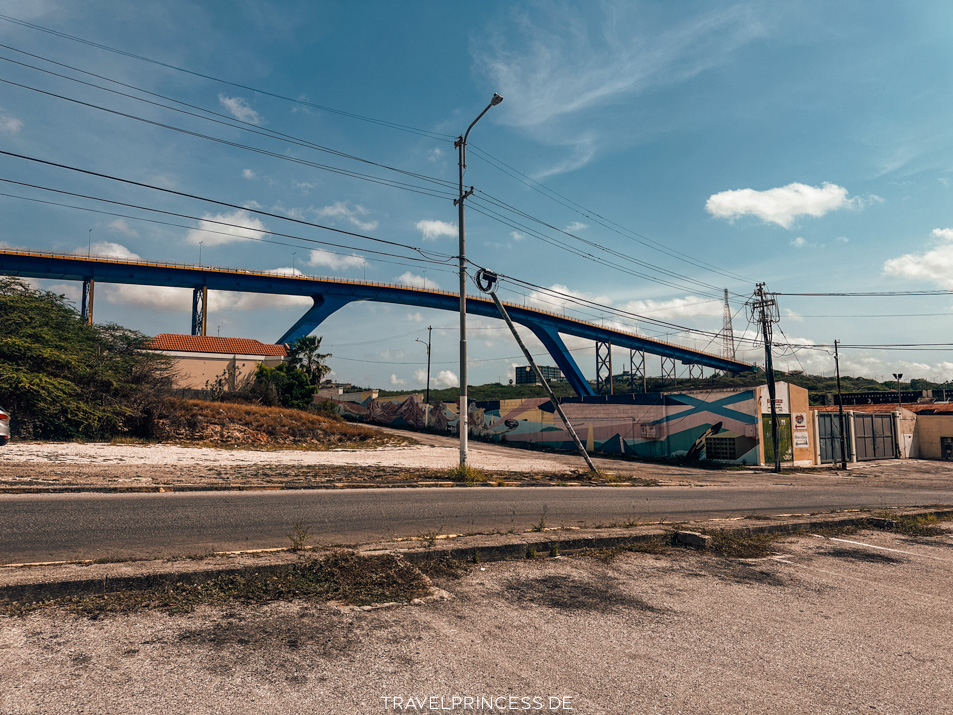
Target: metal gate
828,427
875,436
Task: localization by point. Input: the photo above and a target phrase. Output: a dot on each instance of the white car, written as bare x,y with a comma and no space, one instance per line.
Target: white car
4,426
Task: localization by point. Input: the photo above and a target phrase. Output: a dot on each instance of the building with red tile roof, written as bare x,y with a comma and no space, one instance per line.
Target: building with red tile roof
202,360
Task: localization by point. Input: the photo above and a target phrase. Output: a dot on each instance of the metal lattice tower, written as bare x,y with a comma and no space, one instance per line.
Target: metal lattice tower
637,371
603,362
668,372
727,333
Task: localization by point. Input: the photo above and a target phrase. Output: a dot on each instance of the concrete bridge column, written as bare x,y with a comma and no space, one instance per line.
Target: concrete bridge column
199,310
88,285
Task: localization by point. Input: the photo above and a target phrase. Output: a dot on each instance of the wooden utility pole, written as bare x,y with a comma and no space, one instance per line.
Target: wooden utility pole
764,310
840,412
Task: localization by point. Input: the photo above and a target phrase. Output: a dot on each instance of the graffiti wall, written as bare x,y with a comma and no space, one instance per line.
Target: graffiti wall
717,425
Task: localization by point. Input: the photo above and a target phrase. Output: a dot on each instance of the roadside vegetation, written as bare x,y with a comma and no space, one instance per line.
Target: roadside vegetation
64,379
342,576
232,424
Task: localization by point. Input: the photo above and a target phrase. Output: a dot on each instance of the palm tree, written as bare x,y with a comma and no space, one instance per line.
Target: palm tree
303,354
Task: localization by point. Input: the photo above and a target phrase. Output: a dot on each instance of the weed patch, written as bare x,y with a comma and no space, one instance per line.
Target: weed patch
740,544
465,474
343,576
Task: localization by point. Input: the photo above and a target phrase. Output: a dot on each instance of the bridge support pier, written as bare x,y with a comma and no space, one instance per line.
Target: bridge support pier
324,305
637,371
668,372
199,310
551,340
87,311
603,363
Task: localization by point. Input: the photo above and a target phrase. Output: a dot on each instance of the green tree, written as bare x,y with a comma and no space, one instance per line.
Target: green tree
63,379
304,355
283,385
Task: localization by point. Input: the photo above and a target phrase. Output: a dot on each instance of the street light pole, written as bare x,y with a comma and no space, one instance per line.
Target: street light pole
897,376
429,333
461,145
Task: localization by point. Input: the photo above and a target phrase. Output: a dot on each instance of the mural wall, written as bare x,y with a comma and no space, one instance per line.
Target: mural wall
716,425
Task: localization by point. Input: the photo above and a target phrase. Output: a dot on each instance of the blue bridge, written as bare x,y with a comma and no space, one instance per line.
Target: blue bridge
332,294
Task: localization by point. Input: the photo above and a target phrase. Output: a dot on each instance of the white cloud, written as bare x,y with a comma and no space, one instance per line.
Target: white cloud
842,239
414,281
239,109
784,204
557,64
160,298
434,155
517,236
391,355
676,307
431,229
420,376
335,261
576,226
341,210
248,174
445,378
416,317
121,226
229,300
563,61
109,250
935,265
220,229
799,242
396,381
10,125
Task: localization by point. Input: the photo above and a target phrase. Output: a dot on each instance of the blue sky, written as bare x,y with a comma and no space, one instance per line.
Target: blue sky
687,147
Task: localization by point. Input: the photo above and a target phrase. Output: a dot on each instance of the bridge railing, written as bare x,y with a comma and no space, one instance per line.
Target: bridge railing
328,279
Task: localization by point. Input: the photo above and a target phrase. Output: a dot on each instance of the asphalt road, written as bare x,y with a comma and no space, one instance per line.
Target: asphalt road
99,526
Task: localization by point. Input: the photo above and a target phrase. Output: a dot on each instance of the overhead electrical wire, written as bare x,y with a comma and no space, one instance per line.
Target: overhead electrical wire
593,216
434,265
255,129
207,114
301,102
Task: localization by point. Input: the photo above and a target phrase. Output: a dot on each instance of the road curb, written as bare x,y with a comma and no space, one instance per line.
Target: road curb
471,549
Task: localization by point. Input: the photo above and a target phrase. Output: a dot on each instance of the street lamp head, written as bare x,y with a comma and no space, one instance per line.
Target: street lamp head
496,99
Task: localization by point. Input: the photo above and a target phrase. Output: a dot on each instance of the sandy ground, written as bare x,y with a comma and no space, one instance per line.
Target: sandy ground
51,464
858,625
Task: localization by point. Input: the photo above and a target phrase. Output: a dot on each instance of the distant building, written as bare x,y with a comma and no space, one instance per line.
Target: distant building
525,375
199,360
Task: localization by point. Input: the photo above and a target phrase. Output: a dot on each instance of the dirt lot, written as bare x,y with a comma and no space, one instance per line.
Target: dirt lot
850,624
40,466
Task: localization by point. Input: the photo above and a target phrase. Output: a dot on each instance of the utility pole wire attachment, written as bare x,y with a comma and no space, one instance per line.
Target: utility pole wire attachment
764,310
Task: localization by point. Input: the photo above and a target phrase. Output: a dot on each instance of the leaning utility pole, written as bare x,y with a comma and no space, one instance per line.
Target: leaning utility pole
765,311
487,282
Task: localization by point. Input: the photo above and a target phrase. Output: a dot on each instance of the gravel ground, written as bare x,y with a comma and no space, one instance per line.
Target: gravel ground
850,626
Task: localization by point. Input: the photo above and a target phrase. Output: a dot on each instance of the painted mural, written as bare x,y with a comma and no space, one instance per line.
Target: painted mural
715,425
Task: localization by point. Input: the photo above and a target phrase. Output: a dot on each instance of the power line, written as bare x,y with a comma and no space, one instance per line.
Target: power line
301,102
223,119
593,216
434,265
195,197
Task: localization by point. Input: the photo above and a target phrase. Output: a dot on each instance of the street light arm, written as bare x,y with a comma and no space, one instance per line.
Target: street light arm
463,140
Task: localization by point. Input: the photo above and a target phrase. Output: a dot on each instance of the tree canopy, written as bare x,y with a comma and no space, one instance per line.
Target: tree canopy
62,378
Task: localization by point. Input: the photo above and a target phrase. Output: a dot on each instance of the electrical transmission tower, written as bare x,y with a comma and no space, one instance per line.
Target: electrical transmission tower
727,333
764,310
